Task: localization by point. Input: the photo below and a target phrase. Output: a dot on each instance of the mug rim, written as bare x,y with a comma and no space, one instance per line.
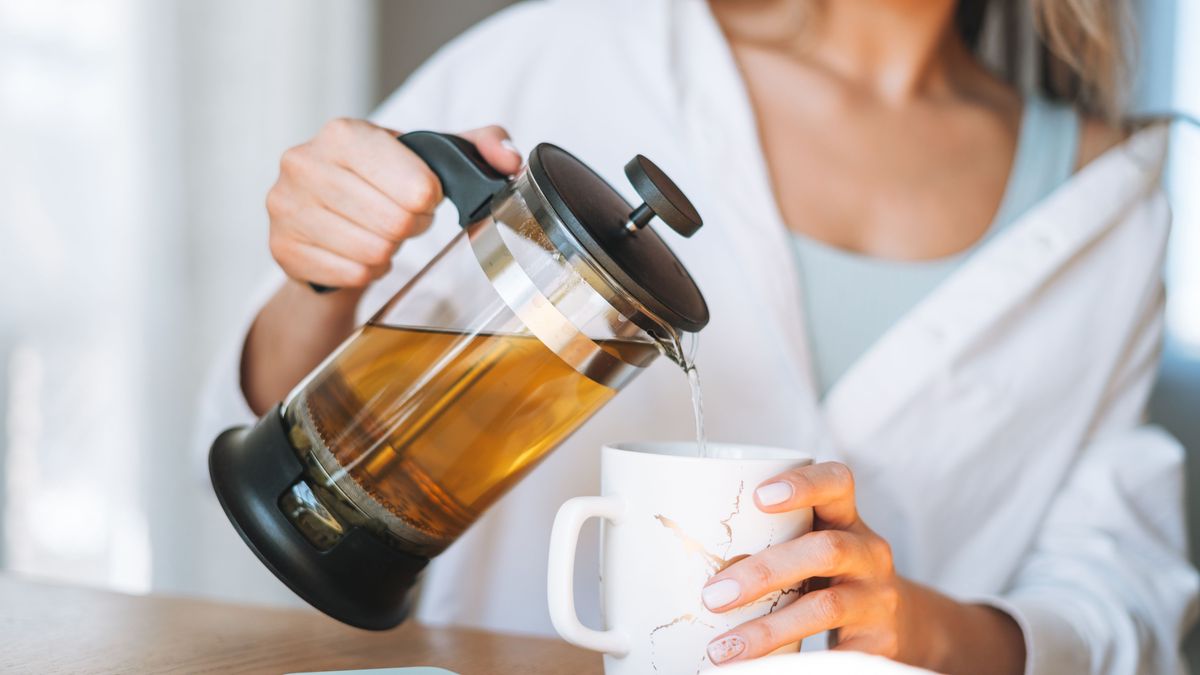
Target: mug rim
686,451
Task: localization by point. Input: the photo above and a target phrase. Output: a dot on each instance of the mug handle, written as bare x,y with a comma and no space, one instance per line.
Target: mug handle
560,577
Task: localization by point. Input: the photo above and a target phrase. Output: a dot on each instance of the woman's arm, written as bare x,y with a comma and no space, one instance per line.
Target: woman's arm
962,637
1107,587
292,333
343,204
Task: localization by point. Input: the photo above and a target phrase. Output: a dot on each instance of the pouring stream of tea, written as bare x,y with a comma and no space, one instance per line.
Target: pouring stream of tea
686,358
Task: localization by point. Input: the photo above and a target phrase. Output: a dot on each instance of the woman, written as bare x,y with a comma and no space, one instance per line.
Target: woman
947,290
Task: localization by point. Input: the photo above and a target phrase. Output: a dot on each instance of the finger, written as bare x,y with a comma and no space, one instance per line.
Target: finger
496,147
330,231
824,553
375,155
310,263
348,195
813,613
827,487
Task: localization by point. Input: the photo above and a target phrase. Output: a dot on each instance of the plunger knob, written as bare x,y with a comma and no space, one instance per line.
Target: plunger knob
661,197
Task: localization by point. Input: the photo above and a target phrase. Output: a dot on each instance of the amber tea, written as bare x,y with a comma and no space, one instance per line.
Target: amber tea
426,450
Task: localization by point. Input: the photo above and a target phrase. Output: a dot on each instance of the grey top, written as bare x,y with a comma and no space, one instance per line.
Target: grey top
852,299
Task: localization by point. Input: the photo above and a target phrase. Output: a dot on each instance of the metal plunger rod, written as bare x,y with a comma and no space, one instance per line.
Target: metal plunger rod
640,217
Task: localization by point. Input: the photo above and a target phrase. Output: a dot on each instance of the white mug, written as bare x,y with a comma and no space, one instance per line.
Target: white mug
671,520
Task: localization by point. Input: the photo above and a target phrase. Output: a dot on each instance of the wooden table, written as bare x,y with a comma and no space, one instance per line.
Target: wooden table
48,628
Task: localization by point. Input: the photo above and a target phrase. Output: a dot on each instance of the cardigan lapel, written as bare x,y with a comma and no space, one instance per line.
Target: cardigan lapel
997,278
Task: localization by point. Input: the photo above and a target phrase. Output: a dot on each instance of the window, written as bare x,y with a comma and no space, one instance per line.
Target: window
71,193
137,139
1183,275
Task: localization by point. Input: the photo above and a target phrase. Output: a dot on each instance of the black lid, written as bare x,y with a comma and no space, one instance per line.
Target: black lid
614,234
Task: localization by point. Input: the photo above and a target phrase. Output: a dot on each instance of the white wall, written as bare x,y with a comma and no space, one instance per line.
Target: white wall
75,199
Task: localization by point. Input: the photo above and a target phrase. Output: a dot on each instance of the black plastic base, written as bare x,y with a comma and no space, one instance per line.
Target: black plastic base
360,581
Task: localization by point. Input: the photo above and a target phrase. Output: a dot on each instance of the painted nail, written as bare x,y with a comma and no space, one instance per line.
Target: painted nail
720,651
773,493
508,145
721,593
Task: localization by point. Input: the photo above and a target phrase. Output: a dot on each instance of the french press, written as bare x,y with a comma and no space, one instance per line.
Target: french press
553,296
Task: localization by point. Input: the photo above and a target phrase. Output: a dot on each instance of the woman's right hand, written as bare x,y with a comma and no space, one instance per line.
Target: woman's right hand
346,199
343,203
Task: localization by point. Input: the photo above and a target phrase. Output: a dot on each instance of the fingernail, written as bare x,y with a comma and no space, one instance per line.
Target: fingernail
720,651
721,593
773,493
508,145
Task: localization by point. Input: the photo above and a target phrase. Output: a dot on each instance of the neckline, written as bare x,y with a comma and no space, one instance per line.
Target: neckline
712,97
1032,108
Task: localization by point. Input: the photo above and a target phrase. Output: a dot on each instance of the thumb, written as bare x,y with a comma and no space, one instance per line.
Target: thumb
496,147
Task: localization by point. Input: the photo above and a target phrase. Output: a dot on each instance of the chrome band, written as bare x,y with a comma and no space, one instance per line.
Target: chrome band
557,236
540,315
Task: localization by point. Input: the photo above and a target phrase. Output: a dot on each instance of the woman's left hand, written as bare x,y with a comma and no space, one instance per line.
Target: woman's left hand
865,601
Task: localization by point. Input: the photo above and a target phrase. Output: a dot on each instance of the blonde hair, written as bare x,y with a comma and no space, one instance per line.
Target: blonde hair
1079,50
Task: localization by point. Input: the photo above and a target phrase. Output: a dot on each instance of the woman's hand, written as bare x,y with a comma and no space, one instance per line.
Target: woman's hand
342,205
868,606
345,200
864,599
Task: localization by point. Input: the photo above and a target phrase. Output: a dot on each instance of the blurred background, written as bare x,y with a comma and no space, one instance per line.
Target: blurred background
138,139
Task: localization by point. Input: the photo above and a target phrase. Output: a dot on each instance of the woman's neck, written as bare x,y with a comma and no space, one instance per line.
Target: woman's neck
892,49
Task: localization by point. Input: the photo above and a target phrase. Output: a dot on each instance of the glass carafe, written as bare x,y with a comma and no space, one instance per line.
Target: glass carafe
551,298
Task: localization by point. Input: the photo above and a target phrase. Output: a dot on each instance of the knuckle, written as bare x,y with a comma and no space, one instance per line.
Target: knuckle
358,275
802,482
275,241
396,224
274,201
293,161
830,606
279,203
766,634
338,128
426,193
888,599
759,574
379,271
280,250
832,548
842,474
378,253
881,552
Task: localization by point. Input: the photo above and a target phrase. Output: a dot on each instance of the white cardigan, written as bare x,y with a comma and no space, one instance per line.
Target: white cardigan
995,431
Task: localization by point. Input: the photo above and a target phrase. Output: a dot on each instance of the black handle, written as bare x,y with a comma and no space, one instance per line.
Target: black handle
467,179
